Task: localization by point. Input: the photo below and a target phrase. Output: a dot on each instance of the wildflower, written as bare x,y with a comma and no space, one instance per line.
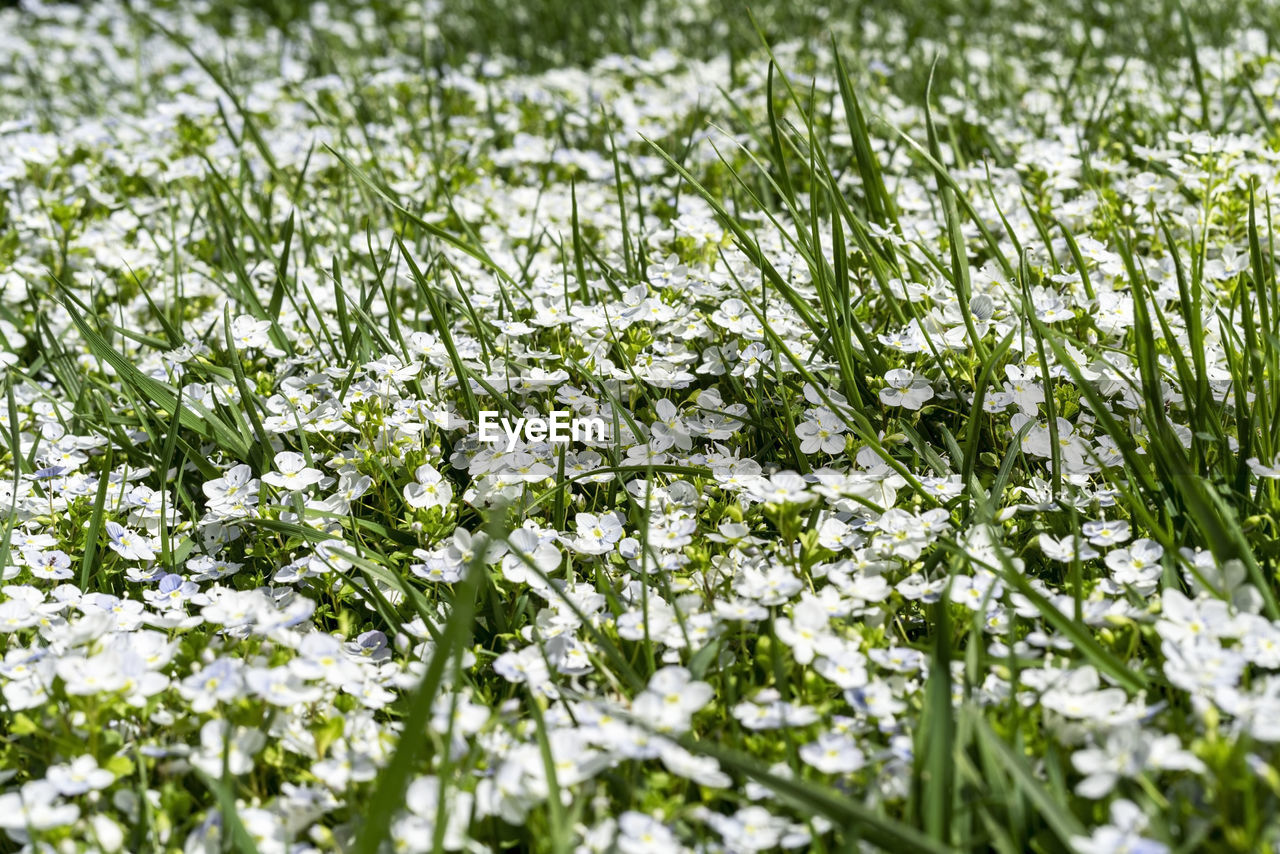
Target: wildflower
733,316
898,659
429,489
751,828
320,656
1106,533
1138,565
782,488
842,664
53,565
527,665
1122,834
942,488
822,432
833,753
905,389
172,592
753,358
222,745
1229,263
1269,470
672,533
1024,389
1128,752
127,544
247,331
669,430
1039,441
531,558
35,807
979,591
292,473
643,834
1049,305
804,631
597,534
83,675
1078,696
668,273
1066,549
670,699
80,776
416,831
220,681
280,686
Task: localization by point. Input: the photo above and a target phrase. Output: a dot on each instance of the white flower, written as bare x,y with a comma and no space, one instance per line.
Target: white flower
979,591
247,331
423,802
1106,532
280,686
905,389
669,430
833,753
1138,565
527,547
220,743
785,487
292,473
703,770
82,775
822,432
804,630
751,829
52,565
643,834
84,676
1023,389
1065,550
236,483
1072,449
1271,469
128,544
35,807
429,489
671,698
1122,835
597,534
942,488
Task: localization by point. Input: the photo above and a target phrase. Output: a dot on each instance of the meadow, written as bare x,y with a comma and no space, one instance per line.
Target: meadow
932,356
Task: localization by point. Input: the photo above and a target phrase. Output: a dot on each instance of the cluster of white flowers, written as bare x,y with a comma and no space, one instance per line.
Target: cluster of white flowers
243,481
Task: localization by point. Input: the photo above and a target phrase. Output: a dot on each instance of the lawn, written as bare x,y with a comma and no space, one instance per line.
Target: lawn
651,426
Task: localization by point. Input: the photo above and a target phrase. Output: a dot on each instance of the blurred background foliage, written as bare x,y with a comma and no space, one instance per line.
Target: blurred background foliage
541,34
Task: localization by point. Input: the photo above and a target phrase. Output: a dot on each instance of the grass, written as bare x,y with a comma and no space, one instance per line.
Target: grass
899,613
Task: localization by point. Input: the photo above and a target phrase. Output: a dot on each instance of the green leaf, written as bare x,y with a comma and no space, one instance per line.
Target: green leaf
195,416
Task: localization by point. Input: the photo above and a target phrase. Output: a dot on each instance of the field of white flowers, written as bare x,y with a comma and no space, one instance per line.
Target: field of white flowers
937,347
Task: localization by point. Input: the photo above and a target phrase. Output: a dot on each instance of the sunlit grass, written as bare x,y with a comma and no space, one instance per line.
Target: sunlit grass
937,346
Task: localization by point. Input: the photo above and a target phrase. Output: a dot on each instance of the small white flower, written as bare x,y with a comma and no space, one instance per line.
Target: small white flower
82,775
905,389
833,753
128,544
292,473
429,489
